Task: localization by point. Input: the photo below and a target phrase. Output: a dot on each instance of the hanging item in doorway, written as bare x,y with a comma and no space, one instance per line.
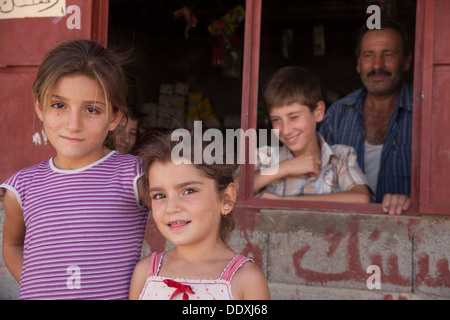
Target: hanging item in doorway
226,49
287,43
228,23
319,40
200,107
218,50
189,16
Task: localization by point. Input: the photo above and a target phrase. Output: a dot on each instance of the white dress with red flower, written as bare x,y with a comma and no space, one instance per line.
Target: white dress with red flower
166,288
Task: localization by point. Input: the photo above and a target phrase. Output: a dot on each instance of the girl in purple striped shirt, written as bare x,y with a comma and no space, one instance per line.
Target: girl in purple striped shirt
74,224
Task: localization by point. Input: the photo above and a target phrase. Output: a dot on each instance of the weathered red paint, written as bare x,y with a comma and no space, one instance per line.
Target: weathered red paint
375,235
333,238
392,274
390,297
412,224
423,276
253,251
153,237
248,220
355,271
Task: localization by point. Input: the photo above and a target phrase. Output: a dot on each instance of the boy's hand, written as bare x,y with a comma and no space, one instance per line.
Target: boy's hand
307,163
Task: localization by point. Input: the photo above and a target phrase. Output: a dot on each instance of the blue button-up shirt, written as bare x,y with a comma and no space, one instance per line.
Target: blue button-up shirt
344,124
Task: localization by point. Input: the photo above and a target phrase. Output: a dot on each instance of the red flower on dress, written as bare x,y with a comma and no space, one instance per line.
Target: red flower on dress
181,288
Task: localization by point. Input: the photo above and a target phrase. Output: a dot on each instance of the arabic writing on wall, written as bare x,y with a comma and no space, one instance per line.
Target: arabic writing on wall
31,8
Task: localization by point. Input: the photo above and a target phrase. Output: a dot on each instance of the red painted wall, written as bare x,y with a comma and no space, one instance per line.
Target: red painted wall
24,42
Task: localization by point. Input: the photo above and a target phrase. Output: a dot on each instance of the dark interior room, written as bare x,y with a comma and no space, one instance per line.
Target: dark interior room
194,48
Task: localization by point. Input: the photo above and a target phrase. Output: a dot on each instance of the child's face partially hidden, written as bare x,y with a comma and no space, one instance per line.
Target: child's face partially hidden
297,126
126,137
185,204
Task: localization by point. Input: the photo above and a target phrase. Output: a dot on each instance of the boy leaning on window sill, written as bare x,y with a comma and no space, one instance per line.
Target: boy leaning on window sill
307,167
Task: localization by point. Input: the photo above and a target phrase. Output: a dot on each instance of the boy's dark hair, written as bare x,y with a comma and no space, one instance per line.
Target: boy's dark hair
386,23
292,84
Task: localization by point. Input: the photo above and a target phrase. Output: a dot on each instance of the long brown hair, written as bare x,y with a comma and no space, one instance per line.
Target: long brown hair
87,58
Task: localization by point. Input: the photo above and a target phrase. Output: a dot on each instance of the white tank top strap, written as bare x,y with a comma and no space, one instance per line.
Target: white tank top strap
233,266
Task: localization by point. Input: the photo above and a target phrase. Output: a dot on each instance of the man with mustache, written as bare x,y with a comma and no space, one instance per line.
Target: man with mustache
377,119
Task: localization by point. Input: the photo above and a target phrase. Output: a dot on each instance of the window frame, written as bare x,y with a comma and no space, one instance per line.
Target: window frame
431,57
250,83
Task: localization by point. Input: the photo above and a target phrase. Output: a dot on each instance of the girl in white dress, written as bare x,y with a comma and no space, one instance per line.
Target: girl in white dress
191,205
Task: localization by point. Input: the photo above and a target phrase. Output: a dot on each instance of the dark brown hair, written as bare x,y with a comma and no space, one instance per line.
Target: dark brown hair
386,23
159,148
292,84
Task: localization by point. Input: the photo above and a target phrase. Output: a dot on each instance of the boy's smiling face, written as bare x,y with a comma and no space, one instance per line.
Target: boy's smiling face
297,126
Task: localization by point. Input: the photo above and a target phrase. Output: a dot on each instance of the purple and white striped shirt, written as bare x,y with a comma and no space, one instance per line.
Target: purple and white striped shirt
84,228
